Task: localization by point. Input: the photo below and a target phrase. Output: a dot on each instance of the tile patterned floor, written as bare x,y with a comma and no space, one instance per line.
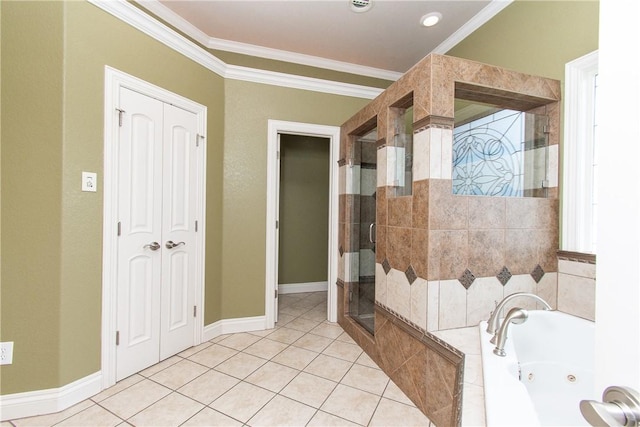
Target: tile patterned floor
305,372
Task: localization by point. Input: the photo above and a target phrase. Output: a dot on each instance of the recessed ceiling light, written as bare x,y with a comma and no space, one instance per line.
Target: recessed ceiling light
430,19
360,5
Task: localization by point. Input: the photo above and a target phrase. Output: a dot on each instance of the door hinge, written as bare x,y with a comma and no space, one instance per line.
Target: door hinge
117,337
277,224
275,294
119,228
278,155
350,296
196,226
120,113
198,139
195,308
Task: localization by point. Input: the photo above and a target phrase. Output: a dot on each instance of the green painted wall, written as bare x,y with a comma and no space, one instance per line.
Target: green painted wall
248,106
54,55
535,37
304,209
52,77
32,138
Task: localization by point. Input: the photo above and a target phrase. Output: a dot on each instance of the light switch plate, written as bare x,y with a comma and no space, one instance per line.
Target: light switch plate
6,353
89,181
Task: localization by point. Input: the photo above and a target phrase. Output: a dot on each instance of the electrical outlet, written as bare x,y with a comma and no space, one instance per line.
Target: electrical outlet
6,353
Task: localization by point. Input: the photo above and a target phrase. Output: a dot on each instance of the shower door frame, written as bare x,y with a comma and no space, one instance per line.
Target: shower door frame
276,127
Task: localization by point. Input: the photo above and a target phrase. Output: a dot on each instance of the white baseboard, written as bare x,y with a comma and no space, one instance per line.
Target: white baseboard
296,288
32,403
232,326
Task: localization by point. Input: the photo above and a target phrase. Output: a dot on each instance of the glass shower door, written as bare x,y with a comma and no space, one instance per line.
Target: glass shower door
362,297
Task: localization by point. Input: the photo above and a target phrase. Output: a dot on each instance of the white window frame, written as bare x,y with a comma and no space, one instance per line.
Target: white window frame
578,231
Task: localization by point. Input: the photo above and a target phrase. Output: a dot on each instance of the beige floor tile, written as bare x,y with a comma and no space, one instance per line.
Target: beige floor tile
313,342
350,403
265,348
210,418
367,379
283,319
309,389
295,357
316,315
345,337
51,419
208,386
293,310
239,341
92,416
135,398
177,375
193,350
322,419
272,376
391,413
117,387
285,335
171,411
213,355
262,333
328,330
301,324
328,367
281,411
241,365
393,392
152,370
365,360
343,350
243,401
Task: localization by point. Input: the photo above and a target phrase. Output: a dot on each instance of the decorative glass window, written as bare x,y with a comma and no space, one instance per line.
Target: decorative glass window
400,151
498,152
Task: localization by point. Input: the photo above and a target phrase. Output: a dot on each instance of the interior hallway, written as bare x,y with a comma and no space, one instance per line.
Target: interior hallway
305,372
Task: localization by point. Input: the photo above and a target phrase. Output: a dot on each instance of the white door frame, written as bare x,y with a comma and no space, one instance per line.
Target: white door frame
114,81
276,127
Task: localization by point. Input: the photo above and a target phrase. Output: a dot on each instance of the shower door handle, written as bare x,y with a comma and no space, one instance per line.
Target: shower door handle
371,239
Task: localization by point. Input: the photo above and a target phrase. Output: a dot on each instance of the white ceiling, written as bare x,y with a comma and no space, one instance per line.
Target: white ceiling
383,42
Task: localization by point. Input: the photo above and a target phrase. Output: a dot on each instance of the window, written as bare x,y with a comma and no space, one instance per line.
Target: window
580,156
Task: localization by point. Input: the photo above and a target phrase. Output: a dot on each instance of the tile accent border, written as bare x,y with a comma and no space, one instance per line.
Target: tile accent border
577,257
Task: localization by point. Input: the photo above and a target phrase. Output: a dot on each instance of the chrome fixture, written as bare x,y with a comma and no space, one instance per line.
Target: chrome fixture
171,245
494,320
516,316
620,407
154,246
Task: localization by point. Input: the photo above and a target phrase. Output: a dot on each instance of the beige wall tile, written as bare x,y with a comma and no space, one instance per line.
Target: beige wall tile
547,289
581,269
453,305
419,303
433,305
381,285
482,296
576,295
399,293
421,141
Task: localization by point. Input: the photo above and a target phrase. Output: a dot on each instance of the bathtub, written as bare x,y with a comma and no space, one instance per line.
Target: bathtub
547,371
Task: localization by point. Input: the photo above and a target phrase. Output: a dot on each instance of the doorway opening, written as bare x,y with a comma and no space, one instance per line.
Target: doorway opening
300,132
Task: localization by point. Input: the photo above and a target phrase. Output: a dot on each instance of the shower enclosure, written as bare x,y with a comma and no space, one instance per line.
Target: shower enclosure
362,296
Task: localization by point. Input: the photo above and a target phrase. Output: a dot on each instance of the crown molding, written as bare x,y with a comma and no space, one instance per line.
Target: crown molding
482,17
160,10
133,16
273,78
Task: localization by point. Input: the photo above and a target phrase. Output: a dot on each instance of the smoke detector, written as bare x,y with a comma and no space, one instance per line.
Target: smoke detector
360,6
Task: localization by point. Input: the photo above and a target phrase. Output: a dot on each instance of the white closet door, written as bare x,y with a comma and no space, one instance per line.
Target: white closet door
139,243
156,247
178,231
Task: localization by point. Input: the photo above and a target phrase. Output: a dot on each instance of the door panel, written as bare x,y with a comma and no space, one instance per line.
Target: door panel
178,268
140,209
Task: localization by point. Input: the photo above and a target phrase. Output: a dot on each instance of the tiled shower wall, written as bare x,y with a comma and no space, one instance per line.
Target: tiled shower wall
577,285
443,260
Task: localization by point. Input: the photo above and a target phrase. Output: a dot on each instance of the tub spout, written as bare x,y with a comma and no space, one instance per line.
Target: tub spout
493,324
517,316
